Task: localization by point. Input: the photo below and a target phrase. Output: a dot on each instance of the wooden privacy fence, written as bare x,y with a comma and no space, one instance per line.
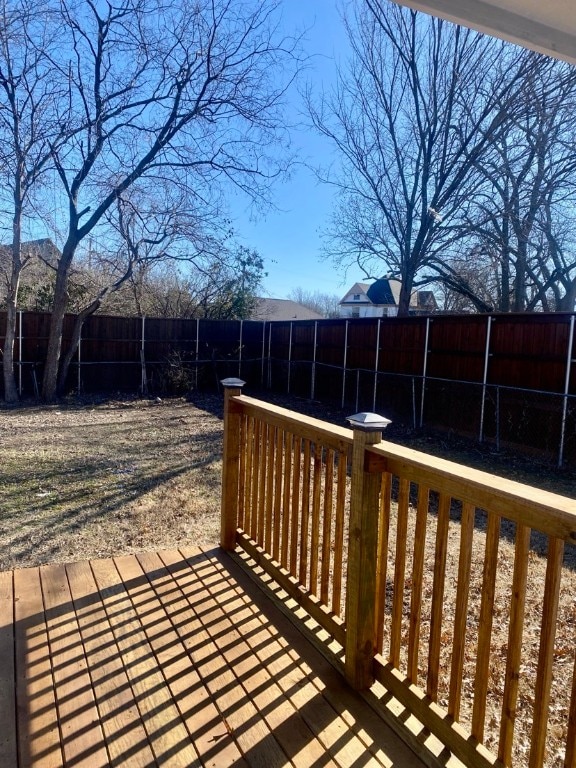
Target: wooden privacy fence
512,376
451,587
139,354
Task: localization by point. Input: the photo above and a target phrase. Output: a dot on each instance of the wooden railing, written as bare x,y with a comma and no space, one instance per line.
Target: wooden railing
451,587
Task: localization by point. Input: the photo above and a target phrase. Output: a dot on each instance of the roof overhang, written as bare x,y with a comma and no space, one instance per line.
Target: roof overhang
547,26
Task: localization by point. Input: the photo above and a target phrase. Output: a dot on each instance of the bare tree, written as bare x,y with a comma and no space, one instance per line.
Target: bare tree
150,224
324,303
520,220
411,118
27,124
184,91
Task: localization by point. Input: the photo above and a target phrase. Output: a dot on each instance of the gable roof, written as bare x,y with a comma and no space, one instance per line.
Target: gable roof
385,292
282,310
357,288
381,292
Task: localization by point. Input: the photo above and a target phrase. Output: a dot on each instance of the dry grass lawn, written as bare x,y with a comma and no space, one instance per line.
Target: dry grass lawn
94,480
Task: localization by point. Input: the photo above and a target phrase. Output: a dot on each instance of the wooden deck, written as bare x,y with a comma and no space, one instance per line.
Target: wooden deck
173,658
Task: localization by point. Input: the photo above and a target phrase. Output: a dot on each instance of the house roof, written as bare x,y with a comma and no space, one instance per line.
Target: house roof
427,300
381,292
384,292
282,310
548,27
361,288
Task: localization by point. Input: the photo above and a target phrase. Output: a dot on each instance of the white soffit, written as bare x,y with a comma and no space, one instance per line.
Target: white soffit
548,26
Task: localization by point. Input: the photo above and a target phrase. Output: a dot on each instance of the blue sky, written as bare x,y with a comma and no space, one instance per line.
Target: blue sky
289,239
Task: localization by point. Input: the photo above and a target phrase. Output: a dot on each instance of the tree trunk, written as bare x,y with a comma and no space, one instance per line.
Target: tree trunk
10,389
94,306
568,301
50,379
74,341
519,304
404,298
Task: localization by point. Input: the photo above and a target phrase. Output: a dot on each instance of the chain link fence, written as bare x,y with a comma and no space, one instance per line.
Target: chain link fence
539,423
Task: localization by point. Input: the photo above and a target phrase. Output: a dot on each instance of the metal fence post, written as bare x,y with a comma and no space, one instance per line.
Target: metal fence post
143,376
290,358
485,377
79,379
424,369
313,377
344,364
263,353
270,355
566,392
376,364
20,357
240,341
230,464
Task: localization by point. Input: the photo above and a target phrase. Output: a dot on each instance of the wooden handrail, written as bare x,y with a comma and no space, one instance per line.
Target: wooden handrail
327,434
544,511
338,516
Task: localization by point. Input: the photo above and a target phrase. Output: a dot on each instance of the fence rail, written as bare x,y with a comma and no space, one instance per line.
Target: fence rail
450,586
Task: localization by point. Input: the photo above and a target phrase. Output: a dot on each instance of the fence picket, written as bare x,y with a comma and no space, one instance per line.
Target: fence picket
417,582
295,508
327,525
248,508
286,499
515,631
460,616
268,518
339,533
276,517
382,562
242,473
315,522
485,625
305,524
399,571
436,613
546,653
263,467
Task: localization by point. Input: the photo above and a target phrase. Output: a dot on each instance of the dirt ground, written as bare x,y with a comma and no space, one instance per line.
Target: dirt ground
96,478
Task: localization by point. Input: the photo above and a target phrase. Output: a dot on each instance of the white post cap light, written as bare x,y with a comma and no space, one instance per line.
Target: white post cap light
368,422
236,383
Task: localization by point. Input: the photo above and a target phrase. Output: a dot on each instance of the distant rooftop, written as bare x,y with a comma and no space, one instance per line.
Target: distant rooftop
282,309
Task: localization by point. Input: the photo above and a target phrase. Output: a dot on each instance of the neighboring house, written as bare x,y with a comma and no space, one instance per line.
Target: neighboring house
282,309
380,299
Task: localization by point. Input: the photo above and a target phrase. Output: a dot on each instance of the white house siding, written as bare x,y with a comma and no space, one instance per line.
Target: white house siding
367,309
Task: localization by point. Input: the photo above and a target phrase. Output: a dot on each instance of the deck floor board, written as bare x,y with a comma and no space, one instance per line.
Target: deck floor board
173,658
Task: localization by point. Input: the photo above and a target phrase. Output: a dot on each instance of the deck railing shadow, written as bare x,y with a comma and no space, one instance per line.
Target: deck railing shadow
77,641
468,632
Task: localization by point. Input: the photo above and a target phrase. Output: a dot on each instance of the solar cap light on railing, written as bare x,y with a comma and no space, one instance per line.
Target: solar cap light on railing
368,422
232,383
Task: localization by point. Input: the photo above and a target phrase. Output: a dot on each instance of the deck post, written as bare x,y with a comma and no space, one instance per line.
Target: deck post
361,633
230,465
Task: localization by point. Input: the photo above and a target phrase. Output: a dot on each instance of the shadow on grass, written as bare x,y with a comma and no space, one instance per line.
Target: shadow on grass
93,475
